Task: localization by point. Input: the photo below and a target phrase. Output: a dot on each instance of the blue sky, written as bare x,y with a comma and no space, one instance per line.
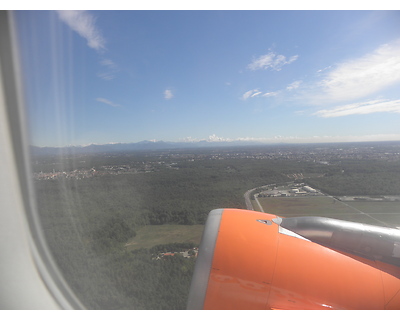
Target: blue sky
271,76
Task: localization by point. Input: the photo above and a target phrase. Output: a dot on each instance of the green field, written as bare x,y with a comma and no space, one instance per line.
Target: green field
370,212
304,206
152,235
377,207
385,211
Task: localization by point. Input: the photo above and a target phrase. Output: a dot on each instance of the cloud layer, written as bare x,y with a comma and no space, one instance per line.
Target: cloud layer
364,76
299,139
354,83
367,107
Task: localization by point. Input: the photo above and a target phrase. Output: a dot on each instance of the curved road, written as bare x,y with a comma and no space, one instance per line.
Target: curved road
249,206
247,199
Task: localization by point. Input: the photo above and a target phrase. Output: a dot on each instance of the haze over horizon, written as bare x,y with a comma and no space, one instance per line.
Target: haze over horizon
208,143
98,77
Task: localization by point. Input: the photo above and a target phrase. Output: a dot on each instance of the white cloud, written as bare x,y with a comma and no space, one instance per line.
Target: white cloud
168,94
188,139
110,69
361,77
270,94
249,94
110,103
293,85
300,139
255,92
83,23
271,60
326,68
367,107
107,62
214,138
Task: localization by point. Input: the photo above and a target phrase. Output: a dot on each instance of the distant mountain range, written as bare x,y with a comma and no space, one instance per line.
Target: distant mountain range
147,145
138,146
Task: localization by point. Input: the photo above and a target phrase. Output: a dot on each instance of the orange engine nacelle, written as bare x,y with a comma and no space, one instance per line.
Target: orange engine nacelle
247,260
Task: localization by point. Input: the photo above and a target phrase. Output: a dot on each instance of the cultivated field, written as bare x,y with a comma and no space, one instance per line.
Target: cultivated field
304,206
370,212
376,207
384,211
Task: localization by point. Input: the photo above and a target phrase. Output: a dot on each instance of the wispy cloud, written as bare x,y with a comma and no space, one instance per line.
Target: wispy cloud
270,94
168,94
367,107
251,94
83,23
322,70
366,75
110,103
271,60
294,85
255,92
109,70
248,94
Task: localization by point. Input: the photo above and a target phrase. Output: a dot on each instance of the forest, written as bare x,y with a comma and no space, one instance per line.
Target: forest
355,177
87,222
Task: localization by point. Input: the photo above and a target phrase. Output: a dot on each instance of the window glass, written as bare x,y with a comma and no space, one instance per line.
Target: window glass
142,122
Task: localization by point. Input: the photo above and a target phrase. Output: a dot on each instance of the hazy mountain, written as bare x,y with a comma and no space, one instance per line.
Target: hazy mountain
142,145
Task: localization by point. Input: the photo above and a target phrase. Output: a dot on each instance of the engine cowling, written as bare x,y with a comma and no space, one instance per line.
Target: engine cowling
249,260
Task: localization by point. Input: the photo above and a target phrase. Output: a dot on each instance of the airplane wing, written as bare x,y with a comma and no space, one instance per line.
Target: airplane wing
253,260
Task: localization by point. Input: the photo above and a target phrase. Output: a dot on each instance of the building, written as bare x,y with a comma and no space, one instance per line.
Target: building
309,189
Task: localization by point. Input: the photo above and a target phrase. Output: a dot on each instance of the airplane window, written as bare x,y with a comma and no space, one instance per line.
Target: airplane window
140,123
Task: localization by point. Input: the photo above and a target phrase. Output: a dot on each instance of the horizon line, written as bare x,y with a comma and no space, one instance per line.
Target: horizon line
270,141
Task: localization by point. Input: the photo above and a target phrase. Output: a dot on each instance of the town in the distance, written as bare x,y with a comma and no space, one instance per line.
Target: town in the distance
152,157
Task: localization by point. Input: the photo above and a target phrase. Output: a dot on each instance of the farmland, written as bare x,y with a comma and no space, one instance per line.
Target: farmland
383,213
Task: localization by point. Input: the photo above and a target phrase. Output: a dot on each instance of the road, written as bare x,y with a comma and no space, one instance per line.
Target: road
258,202
247,199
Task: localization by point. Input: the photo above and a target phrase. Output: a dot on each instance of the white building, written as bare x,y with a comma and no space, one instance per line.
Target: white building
309,189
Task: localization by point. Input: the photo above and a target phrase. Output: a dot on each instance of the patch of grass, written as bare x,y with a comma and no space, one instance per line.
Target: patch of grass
151,235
